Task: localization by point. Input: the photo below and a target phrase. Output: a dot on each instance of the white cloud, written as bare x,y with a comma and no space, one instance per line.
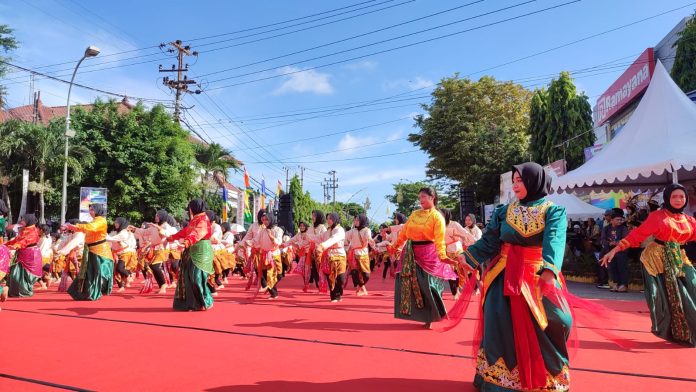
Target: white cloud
309,81
373,177
396,135
349,142
364,65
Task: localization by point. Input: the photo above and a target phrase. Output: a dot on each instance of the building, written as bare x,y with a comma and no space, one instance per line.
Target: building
616,105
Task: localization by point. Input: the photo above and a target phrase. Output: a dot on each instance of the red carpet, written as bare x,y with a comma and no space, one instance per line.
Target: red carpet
300,342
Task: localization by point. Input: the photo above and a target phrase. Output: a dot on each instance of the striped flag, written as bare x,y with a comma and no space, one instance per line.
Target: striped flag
224,204
278,188
263,192
246,179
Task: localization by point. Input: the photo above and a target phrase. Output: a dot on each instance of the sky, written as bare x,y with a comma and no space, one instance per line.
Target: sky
301,83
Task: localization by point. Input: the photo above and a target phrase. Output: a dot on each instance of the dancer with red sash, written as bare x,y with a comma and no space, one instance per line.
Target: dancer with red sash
333,262
669,275
523,333
358,240
27,268
315,234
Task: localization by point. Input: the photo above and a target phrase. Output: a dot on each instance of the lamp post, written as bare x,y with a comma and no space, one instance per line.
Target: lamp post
91,51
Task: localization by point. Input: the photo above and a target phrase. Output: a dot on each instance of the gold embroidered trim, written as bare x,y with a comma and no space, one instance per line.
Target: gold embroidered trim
499,374
527,221
470,256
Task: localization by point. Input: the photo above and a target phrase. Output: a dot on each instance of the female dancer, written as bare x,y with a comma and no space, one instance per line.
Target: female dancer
227,242
424,263
302,244
395,253
333,265
69,251
96,276
669,276
471,228
524,333
219,252
252,253
315,234
192,291
358,240
123,245
268,241
45,246
455,235
27,269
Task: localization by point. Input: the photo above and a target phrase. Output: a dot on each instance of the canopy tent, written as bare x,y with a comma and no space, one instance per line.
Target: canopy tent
576,209
656,145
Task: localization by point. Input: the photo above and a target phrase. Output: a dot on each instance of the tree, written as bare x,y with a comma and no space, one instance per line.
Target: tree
474,131
44,150
683,70
405,196
302,203
10,142
560,123
143,157
7,43
215,161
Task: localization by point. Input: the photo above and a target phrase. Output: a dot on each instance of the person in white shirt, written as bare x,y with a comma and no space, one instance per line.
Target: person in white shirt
268,240
219,263
455,236
123,246
473,229
252,264
358,240
315,234
334,263
45,246
303,246
227,242
69,250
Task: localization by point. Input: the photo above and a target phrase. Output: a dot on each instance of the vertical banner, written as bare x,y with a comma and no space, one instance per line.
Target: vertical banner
224,216
25,190
89,196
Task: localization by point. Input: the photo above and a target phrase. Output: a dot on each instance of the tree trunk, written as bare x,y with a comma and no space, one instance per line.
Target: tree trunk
42,205
6,196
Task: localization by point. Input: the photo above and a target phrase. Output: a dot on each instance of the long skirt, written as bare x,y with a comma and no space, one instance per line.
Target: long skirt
664,322
496,368
96,278
25,272
418,293
192,290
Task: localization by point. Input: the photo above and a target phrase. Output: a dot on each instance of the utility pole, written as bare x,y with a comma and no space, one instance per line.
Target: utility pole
287,178
302,169
325,188
182,82
331,183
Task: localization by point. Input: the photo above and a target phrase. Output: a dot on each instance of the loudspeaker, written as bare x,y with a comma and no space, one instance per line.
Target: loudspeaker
285,215
467,204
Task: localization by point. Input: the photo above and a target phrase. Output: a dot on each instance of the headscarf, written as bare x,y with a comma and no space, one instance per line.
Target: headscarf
172,221
400,217
163,216
535,180
667,194
211,215
226,227
363,222
29,219
98,208
121,222
335,218
197,206
473,220
300,226
319,218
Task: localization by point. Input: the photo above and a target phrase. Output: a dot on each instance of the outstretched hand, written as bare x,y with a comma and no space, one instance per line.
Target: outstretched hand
608,257
461,260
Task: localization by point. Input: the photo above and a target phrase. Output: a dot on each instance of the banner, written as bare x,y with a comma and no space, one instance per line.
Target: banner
224,204
25,189
89,196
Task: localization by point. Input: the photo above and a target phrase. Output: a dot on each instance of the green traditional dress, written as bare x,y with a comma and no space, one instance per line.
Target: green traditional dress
521,240
669,276
192,290
96,276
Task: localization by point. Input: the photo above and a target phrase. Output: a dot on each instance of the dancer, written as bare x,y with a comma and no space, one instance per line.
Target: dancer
315,234
96,276
219,252
669,276
27,269
45,246
155,251
192,291
69,251
382,250
358,240
303,245
174,253
399,220
424,263
124,247
268,240
252,253
455,235
474,231
333,263
524,333
227,242
3,221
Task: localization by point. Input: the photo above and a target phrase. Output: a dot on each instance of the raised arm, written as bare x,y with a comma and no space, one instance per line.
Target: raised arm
553,245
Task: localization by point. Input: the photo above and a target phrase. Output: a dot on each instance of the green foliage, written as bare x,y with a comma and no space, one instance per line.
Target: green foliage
143,157
215,161
7,43
407,192
302,203
684,69
474,131
560,123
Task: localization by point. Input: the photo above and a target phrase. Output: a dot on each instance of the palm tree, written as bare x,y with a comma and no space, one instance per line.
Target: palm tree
45,151
10,141
214,161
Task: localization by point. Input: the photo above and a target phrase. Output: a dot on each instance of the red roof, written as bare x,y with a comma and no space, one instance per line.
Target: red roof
47,113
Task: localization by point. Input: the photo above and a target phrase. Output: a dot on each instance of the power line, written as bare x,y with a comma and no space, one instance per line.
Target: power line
396,48
372,43
347,159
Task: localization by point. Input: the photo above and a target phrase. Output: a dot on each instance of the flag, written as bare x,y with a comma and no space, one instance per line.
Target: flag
246,179
263,192
224,204
278,188
263,201
248,217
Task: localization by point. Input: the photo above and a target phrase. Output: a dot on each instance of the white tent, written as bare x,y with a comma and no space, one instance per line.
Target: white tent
576,209
658,140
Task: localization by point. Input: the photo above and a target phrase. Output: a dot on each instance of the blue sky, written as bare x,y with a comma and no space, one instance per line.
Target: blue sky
374,96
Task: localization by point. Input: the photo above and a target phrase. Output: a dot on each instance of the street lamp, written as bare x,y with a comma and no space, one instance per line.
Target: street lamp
91,51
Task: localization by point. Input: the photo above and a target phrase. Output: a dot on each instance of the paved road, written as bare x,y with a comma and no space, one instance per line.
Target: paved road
589,290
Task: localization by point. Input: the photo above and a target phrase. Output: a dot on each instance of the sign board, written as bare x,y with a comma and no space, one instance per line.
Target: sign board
90,196
592,151
628,86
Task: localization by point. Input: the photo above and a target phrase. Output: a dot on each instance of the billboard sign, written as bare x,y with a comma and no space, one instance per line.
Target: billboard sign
90,196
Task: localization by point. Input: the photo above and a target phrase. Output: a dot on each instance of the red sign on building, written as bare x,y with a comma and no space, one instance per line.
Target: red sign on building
628,86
